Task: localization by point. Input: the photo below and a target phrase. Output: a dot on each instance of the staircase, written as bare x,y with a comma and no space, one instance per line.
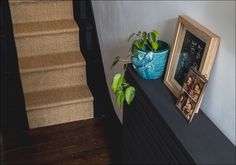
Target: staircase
52,68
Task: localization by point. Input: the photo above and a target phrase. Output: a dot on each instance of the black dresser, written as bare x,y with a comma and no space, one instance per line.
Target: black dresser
154,132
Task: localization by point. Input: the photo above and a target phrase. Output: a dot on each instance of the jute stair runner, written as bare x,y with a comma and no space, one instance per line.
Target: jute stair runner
52,68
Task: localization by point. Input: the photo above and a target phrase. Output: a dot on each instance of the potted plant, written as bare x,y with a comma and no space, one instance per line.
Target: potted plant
148,56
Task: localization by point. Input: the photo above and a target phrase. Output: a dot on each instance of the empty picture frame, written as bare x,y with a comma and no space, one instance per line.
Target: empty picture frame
193,46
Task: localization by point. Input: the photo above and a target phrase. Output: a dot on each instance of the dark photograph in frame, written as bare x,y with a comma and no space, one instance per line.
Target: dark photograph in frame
193,46
190,56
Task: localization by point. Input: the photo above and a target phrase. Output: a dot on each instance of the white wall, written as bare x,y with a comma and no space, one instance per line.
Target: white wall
115,20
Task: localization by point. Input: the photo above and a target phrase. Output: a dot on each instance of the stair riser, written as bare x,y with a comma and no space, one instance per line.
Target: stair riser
60,114
47,44
41,11
44,80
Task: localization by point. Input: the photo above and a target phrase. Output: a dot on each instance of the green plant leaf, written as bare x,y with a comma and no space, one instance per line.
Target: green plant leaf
129,94
116,60
120,97
145,42
136,43
133,49
154,37
142,45
131,36
150,38
117,81
144,35
156,33
155,46
139,33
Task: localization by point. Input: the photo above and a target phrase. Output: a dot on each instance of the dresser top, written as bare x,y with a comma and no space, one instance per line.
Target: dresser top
205,143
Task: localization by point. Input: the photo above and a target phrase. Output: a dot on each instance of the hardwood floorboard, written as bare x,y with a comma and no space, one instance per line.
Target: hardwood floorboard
100,155
82,142
35,136
57,148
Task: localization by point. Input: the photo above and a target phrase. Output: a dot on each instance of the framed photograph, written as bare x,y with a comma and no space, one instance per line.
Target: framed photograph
193,46
191,94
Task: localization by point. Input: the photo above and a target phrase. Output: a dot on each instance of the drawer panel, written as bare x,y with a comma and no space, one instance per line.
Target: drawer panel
158,145
163,131
150,147
137,138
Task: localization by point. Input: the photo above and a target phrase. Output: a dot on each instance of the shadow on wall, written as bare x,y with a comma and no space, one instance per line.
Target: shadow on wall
168,33
120,48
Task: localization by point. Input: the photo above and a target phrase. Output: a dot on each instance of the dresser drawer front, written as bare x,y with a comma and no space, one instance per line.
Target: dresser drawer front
161,129
146,139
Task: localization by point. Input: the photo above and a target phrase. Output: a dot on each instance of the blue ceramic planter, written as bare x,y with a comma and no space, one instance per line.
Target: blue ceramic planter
151,65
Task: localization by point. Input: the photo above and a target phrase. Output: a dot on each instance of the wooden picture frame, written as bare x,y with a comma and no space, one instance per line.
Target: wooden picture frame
193,46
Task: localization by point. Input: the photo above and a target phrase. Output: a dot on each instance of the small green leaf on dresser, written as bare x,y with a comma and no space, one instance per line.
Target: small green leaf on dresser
129,94
120,97
117,81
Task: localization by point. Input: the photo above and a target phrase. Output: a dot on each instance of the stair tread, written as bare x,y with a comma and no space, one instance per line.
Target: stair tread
42,28
30,1
22,1
57,97
51,61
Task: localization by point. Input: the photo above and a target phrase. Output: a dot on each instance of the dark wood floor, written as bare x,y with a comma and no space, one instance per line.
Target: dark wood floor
83,142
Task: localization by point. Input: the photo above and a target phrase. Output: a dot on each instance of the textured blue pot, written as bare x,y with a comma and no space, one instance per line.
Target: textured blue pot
151,65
